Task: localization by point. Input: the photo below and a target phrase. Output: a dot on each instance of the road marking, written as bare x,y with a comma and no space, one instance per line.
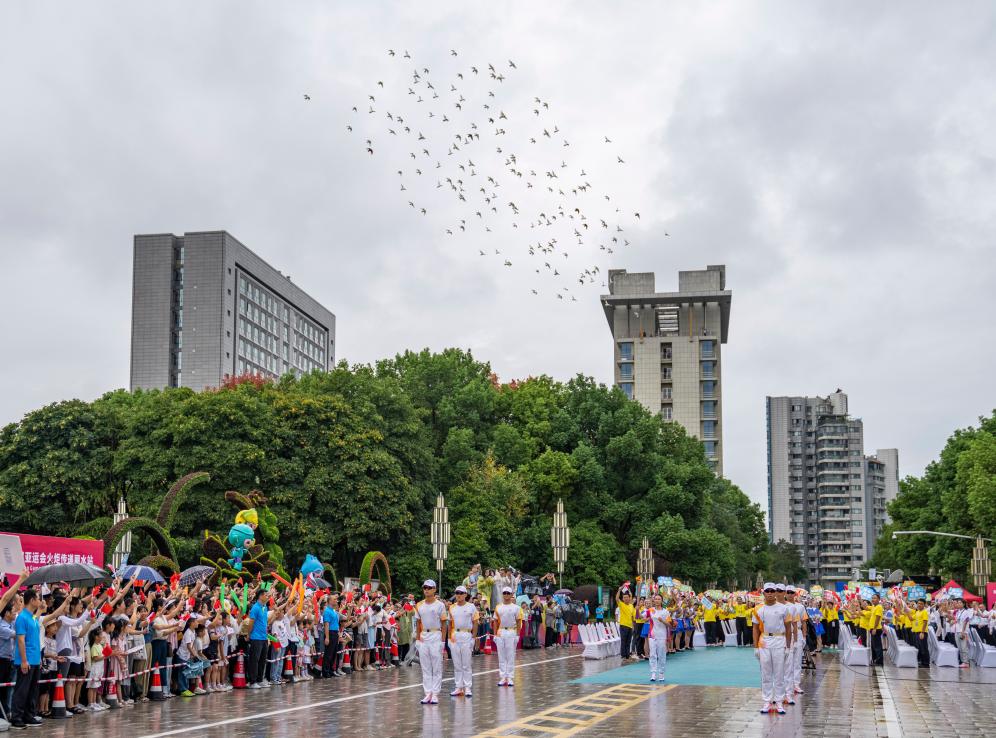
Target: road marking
889,707
334,701
621,697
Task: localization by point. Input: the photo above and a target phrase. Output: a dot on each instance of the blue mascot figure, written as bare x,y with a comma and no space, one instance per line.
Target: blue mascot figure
241,537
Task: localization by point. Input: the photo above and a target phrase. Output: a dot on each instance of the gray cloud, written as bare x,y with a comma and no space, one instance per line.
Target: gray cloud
839,160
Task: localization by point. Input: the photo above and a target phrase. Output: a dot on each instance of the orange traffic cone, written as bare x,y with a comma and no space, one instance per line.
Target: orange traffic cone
288,668
320,662
156,686
394,653
377,657
58,700
238,678
487,645
346,665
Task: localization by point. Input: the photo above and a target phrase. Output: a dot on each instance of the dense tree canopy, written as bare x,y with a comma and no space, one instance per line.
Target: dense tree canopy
352,461
956,494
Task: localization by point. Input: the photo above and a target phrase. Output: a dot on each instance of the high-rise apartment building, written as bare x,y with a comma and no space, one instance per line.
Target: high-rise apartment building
205,307
824,495
667,348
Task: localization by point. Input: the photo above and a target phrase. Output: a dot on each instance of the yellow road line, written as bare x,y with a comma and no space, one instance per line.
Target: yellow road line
613,701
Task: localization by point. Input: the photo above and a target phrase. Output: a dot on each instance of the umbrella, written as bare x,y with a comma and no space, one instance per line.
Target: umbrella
143,573
195,574
321,583
569,592
75,574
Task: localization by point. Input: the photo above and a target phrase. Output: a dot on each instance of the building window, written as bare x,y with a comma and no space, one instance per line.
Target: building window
708,349
708,409
708,389
666,393
666,352
708,428
627,388
667,412
710,448
708,369
626,351
626,371
666,372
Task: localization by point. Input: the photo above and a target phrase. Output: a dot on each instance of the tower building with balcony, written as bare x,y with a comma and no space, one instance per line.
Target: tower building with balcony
666,348
825,495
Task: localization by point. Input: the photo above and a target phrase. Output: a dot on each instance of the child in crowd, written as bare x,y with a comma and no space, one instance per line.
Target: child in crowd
95,675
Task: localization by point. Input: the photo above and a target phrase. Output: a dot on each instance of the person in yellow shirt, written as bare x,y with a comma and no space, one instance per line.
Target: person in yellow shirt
831,622
919,618
875,615
740,612
711,625
624,617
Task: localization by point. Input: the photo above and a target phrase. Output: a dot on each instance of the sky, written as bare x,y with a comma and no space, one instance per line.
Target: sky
839,159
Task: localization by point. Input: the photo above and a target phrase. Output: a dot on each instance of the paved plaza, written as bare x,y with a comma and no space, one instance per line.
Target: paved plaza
558,693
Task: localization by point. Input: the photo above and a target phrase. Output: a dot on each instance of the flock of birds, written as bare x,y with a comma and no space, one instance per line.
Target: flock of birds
491,164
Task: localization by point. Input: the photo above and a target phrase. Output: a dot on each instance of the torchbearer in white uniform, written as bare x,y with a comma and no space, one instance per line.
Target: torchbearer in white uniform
463,624
431,618
772,635
793,680
660,621
785,688
507,621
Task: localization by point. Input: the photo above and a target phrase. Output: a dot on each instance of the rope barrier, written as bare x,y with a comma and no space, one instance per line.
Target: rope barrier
221,662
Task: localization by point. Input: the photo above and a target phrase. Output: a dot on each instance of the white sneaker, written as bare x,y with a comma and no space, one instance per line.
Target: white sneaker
653,677
427,699
434,700
511,683
200,691
767,708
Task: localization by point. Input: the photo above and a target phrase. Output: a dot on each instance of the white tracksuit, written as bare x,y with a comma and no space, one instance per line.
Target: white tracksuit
507,639
430,647
772,651
793,668
462,643
658,640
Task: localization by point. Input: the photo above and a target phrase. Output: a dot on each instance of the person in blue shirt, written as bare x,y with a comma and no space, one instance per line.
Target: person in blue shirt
599,614
27,660
330,637
259,621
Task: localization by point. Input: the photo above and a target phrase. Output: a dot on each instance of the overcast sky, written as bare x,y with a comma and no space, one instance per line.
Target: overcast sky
840,160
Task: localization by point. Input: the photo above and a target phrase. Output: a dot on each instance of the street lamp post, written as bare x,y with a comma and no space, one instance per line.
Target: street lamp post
560,539
439,535
645,564
981,563
123,550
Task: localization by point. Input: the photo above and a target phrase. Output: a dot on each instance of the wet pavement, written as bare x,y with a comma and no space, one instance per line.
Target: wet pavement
839,701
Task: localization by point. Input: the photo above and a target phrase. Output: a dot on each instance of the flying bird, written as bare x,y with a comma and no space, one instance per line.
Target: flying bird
307,97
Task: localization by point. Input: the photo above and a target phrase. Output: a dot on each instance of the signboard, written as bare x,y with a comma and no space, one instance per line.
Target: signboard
816,591
707,603
11,555
39,551
955,593
866,592
665,582
991,595
917,593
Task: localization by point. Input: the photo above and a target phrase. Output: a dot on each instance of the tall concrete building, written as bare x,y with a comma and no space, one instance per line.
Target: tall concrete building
205,307
824,495
667,348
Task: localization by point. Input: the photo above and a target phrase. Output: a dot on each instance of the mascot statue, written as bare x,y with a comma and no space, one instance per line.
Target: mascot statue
241,537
